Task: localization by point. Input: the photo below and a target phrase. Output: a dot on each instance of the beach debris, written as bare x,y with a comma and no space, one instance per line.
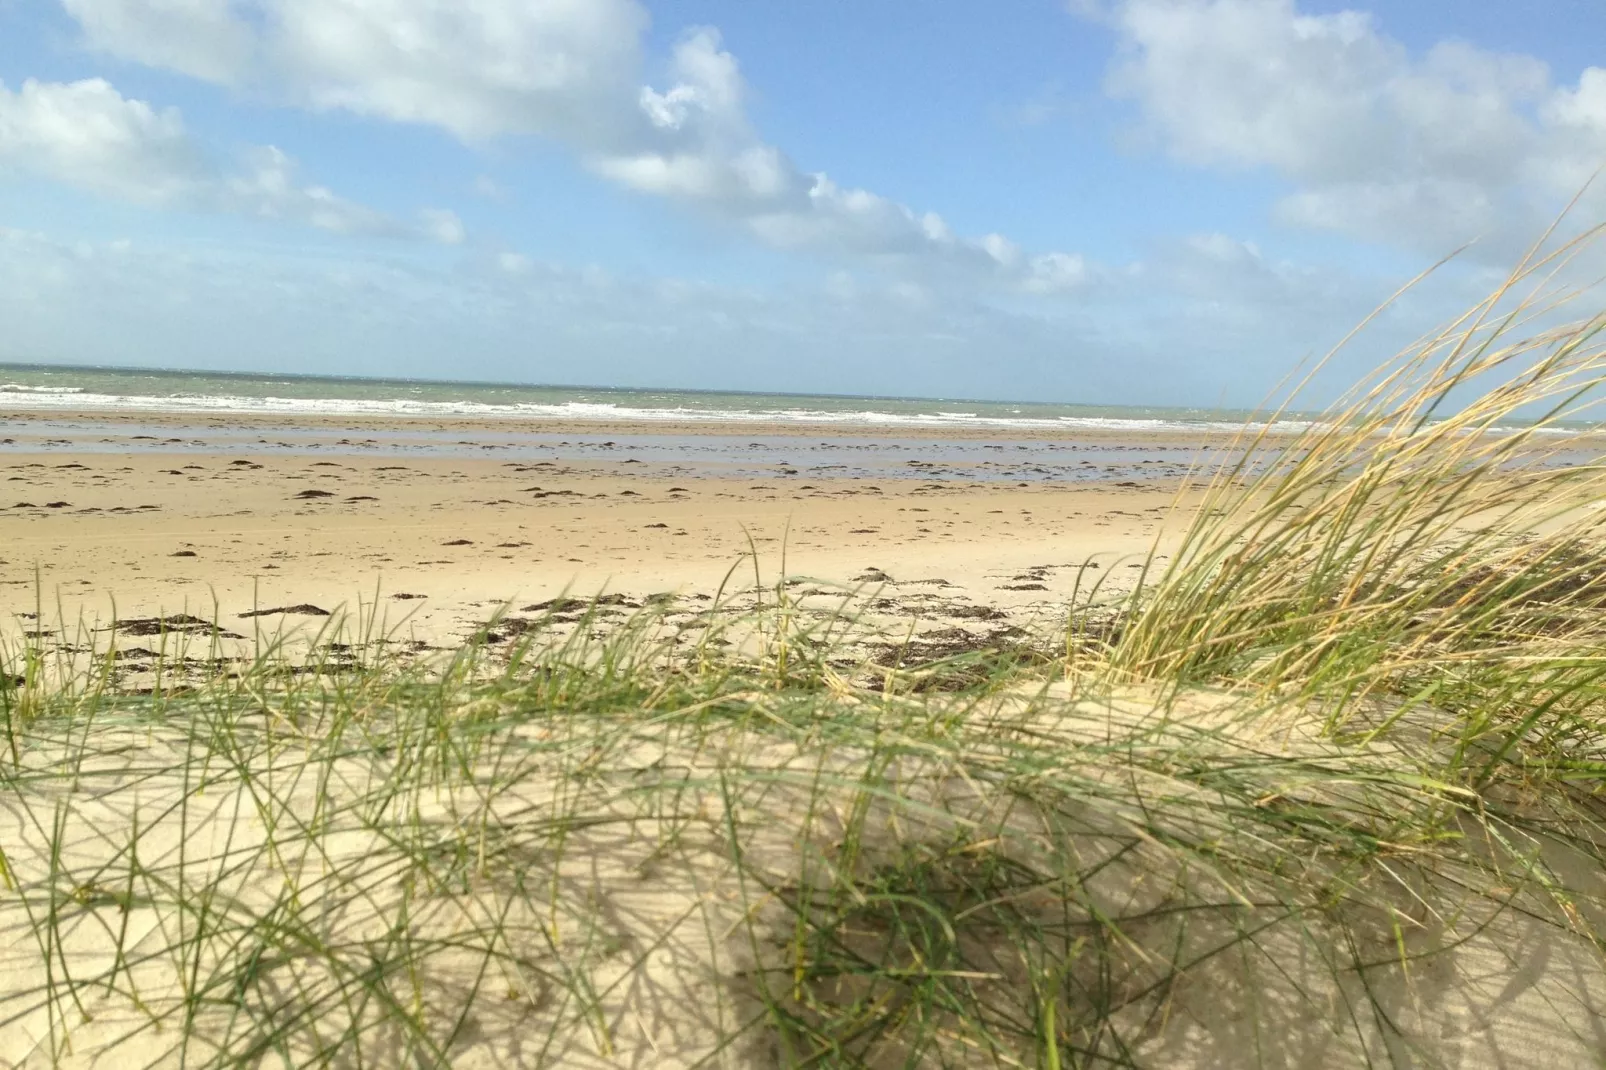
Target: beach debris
182,553
974,613
459,542
569,605
305,609
179,623
315,494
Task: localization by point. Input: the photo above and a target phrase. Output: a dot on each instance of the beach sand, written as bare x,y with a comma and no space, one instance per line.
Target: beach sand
105,524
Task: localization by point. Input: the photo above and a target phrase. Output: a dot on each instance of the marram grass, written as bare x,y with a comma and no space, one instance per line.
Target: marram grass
1325,792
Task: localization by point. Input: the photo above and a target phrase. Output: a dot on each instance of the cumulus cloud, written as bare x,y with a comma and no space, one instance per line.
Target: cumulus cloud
1433,150
571,70
475,67
699,146
87,134
202,38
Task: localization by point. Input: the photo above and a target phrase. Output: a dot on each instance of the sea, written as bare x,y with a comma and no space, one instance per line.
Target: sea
79,389
86,409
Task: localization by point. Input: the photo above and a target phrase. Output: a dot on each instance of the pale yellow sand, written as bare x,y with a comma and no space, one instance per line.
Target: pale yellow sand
166,533
656,922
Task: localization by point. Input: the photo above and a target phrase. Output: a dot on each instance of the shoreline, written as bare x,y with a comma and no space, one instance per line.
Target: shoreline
545,425
1204,435
446,522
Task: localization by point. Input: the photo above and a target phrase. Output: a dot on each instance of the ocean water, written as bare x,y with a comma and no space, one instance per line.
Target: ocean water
66,389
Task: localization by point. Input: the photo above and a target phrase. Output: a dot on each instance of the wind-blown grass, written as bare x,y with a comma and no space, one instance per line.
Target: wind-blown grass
1325,793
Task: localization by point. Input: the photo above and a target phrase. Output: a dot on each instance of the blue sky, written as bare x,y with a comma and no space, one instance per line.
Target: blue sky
1140,201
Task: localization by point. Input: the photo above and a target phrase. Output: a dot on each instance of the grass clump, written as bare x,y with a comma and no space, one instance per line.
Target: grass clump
1324,792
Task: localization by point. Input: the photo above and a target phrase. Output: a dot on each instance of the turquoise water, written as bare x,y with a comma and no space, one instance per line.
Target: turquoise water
40,387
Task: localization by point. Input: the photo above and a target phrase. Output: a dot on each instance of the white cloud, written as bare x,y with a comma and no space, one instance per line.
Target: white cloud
268,189
475,67
1055,272
88,135
443,226
567,69
202,38
1429,151
700,147
513,263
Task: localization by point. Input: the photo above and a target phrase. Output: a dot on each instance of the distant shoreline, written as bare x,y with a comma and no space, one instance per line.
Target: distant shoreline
86,390
23,420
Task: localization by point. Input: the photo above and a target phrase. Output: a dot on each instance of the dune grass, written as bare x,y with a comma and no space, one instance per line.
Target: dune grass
1324,791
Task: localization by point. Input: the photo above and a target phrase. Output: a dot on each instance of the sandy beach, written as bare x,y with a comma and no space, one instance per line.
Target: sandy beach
102,516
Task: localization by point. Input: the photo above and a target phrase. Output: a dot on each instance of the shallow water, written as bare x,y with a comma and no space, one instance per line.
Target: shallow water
39,387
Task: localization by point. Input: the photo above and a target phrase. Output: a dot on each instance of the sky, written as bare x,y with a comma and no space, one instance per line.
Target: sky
1169,202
